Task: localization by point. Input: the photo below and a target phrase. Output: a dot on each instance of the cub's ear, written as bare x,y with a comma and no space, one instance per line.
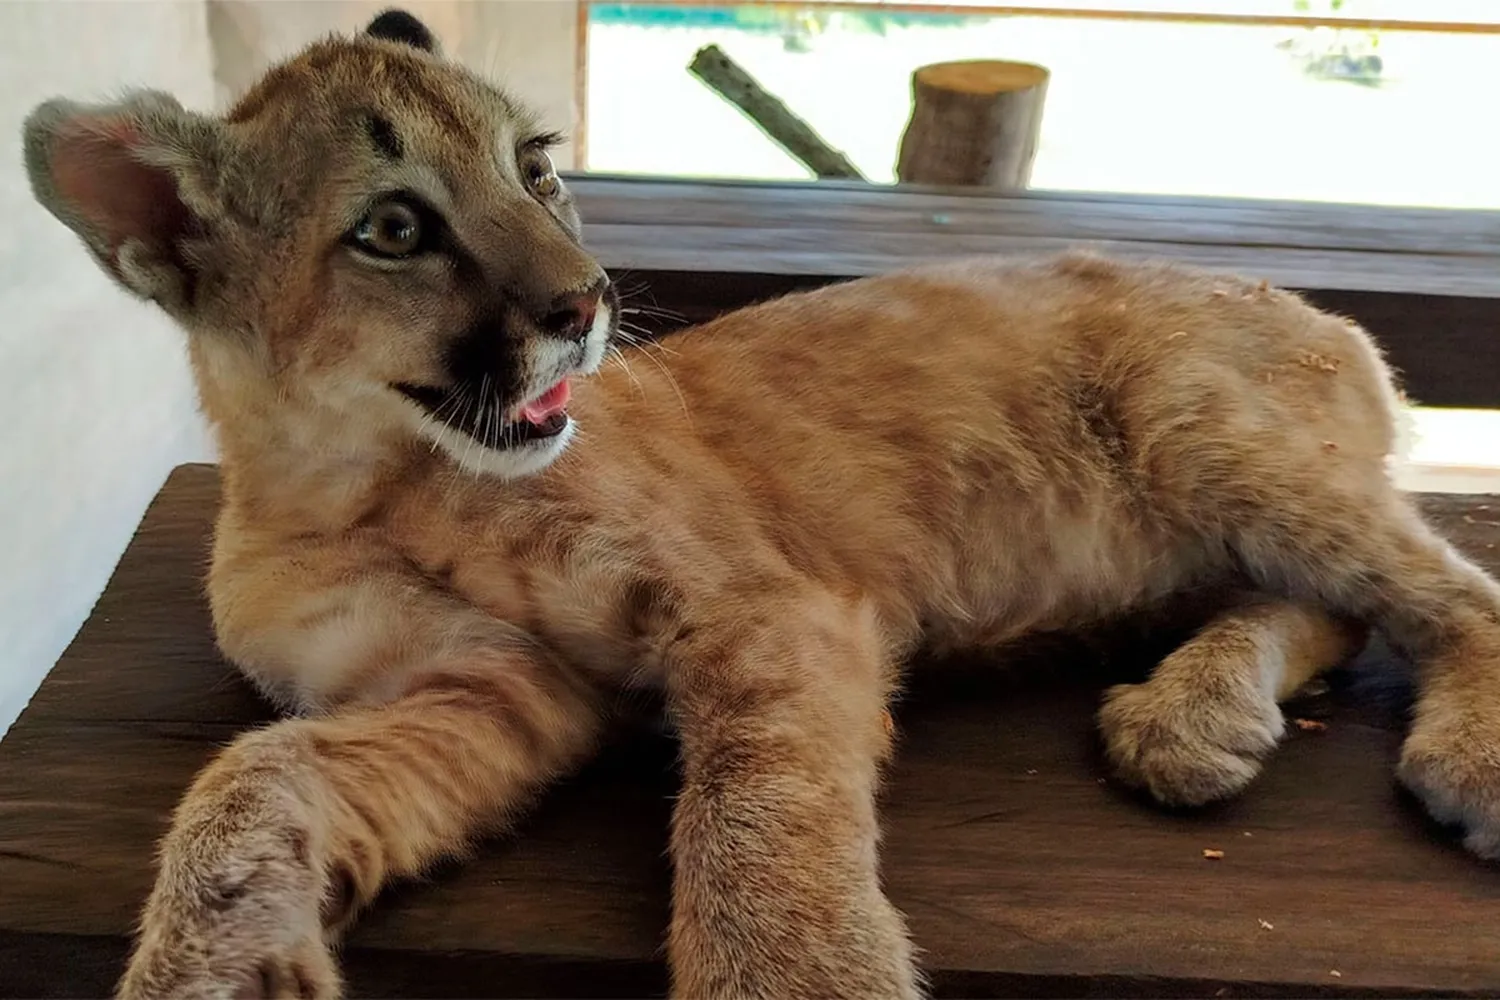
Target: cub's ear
396,25
137,181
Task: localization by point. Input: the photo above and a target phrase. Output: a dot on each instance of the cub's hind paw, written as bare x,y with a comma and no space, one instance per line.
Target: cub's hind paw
1451,761
1187,751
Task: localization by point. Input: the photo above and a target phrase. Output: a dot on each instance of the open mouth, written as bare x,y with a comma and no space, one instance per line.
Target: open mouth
544,416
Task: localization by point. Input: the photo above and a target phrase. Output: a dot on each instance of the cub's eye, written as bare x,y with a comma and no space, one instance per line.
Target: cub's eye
540,174
391,229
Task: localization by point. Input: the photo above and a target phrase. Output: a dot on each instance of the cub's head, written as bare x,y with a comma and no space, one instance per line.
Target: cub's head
371,246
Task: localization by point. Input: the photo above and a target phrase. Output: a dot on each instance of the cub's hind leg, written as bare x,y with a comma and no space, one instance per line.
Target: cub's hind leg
1372,557
1199,728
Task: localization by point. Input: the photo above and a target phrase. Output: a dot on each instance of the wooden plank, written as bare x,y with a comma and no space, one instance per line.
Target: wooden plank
1023,870
1073,215
844,253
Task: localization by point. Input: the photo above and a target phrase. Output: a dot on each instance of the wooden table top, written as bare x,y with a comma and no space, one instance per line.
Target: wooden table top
1023,869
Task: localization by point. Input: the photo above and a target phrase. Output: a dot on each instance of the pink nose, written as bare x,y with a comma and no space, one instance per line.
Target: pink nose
572,316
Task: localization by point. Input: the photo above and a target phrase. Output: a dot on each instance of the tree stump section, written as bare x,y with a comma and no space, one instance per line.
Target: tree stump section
973,123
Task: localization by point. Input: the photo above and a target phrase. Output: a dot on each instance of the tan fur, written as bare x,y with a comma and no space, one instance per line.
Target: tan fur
760,520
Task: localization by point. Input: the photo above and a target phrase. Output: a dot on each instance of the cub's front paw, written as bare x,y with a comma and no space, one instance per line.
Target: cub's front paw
1451,761
232,920
1188,748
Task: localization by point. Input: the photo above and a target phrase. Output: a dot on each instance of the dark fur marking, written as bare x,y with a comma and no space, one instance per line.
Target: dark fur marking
487,698
1101,422
395,25
383,134
303,981
651,607
486,349
223,896
407,77
297,841
268,978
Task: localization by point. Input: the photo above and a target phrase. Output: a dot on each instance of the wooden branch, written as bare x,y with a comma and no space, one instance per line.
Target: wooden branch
973,123
726,78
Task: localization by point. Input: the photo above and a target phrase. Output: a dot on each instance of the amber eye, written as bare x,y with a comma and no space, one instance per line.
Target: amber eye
541,175
391,229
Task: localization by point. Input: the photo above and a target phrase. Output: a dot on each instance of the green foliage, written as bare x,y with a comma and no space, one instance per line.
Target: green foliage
763,19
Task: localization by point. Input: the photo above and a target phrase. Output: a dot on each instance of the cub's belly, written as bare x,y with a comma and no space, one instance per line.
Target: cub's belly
1040,570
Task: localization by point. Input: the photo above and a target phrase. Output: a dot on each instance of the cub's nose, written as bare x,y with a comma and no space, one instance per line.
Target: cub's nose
571,316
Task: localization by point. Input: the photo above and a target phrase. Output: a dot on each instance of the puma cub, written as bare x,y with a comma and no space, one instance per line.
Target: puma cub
450,537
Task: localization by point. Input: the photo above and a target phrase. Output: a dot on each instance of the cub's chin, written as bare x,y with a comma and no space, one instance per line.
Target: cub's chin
534,449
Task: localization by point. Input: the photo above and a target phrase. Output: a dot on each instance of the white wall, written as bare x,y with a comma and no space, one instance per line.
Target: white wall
95,397
528,47
96,404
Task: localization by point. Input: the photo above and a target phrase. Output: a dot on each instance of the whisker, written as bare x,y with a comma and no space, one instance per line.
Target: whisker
644,339
671,379
645,290
483,429
655,312
497,404
618,357
467,422
438,415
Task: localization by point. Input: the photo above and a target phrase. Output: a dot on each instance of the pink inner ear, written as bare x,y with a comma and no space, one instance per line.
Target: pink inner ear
96,172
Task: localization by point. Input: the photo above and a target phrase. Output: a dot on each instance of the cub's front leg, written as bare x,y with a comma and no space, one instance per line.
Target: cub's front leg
294,827
776,889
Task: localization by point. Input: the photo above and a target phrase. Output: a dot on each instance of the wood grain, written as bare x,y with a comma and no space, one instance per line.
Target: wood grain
973,122
1025,872
604,199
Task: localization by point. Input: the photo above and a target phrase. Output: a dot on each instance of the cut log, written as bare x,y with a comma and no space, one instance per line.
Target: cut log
727,79
973,123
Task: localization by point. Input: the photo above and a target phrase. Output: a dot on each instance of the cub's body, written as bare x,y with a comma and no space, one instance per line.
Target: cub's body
452,536
981,450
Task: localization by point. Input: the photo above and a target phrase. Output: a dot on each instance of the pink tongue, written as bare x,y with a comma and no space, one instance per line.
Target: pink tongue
549,404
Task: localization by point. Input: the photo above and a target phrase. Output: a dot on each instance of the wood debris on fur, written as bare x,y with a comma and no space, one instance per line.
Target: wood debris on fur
1320,362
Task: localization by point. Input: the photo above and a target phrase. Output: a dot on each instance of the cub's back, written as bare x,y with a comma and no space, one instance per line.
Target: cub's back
930,428
961,358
